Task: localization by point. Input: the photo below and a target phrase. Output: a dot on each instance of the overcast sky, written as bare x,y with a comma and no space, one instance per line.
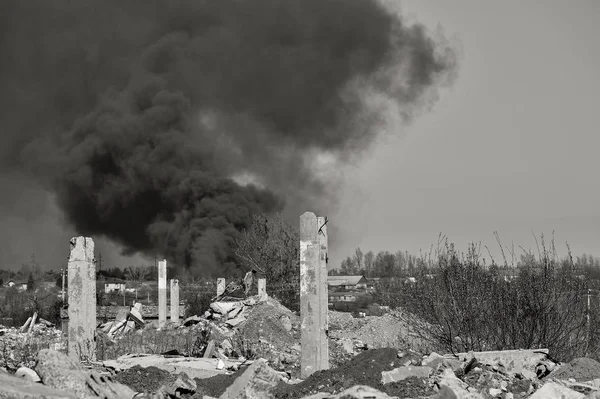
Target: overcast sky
512,146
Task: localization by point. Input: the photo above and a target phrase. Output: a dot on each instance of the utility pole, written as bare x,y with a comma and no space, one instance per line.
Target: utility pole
100,262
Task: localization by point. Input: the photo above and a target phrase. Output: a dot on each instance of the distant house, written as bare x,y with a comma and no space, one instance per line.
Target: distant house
341,297
11,283
114,287
347,282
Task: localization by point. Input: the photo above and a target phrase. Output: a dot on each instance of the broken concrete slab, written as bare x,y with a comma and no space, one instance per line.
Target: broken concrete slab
258,381
553,390
63,373
356,392
402,373
194,367
28,374
12,387
452,387
515,361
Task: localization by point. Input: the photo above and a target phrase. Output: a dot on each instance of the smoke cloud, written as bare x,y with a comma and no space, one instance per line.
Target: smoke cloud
165,125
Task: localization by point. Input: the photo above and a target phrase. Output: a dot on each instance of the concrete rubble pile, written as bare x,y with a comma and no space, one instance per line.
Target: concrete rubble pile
125,321
36,332
257,326
57,376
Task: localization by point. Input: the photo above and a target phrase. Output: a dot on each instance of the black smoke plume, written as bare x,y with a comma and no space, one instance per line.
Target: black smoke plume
165,124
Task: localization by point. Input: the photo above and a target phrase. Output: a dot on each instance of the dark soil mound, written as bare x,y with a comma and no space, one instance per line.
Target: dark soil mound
215,386
364,369
144,379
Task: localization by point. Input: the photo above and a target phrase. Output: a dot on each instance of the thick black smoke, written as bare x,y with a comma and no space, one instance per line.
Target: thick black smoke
144,116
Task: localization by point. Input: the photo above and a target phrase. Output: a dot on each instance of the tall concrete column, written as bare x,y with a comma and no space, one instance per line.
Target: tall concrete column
162,293
323,291
262,288
175,300
220,286
81,275
312,328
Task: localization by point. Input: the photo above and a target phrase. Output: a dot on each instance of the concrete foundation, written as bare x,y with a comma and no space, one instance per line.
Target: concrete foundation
81,272
162,293
175,300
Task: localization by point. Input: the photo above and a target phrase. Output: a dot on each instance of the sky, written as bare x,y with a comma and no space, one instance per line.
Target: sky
511,147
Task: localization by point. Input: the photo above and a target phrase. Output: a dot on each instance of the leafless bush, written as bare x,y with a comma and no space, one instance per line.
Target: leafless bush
466,305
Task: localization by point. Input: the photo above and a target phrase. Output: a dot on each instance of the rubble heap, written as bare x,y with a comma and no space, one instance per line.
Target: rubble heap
255,326
18,346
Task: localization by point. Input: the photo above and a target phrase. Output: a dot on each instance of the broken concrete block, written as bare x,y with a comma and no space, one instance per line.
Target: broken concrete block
356,392
236,321
222,308
28,374
63,373
452,387
12,387
433,360
256,382
552,390
515,361
402,373
210,349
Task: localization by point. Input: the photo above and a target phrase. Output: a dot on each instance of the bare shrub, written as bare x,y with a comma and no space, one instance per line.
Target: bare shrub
466,305
270,246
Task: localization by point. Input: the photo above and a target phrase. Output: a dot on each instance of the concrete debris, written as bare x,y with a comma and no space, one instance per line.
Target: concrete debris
182,385
553,390
257,382
356,392
28,374
402,373
58,371
14,341
12,387
125,321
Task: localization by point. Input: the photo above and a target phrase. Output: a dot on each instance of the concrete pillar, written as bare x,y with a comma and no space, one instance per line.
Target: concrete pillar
262,288
312,328
323,292
81,274
220,286
162,293
175,300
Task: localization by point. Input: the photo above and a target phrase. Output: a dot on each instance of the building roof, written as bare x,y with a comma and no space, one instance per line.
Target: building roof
344,280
